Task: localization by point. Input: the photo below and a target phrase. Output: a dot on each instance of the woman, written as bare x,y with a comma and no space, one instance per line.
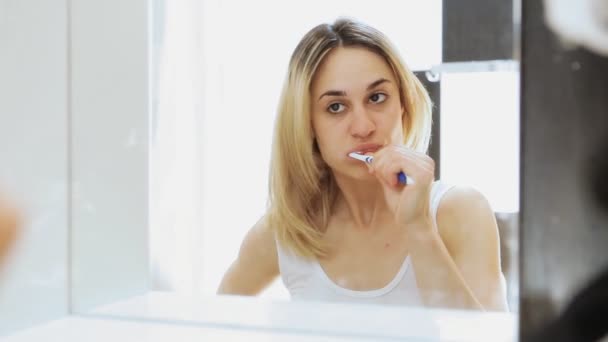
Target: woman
339,229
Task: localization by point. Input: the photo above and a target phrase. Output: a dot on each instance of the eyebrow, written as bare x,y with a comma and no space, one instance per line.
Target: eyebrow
343,93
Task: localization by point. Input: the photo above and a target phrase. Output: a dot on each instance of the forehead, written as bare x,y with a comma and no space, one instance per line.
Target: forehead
346,68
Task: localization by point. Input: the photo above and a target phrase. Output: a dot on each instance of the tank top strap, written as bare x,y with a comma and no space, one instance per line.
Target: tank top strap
437,191
292,267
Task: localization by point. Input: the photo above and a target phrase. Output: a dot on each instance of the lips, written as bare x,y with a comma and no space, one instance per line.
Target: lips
366,148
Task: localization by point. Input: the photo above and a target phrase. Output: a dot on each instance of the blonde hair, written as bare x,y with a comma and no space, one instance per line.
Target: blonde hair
301,189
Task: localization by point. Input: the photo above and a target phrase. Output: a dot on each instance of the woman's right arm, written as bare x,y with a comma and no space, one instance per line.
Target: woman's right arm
256,265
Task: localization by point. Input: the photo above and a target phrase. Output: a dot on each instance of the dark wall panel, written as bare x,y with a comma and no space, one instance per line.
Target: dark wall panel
564,236
475,30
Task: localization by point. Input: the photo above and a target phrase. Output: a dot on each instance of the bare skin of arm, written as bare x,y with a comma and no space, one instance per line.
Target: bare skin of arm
256,265
459,266
8,228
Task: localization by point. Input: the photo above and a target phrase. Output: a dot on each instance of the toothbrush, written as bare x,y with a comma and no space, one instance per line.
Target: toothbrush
403,179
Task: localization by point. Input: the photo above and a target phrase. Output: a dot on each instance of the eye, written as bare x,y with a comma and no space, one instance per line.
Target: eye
378,98
335,108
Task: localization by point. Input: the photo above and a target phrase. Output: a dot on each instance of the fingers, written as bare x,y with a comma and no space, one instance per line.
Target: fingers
391,160
420,159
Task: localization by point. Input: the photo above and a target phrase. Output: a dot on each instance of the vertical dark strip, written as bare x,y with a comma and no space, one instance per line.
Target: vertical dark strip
434,90
564,117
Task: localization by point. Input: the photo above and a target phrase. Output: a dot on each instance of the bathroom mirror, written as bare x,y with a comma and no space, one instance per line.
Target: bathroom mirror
166,183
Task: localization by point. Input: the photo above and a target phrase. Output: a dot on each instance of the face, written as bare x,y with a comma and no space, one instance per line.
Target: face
355,108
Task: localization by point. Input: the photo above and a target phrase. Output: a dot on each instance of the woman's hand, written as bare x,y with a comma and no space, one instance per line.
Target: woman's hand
409,203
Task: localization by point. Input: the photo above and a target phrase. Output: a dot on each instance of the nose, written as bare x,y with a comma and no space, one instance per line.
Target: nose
362,124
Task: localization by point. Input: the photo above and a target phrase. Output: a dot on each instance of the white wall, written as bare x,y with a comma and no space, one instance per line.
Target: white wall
74,110
109,75
33,158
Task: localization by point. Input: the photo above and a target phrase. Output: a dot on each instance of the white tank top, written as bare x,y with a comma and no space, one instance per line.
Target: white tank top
306,280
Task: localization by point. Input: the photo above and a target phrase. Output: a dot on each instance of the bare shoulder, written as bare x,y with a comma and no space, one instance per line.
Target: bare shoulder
465,218
256,265
259,242
467,225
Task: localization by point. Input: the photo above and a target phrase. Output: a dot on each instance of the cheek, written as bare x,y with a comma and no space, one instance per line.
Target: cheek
328,140
320,133
322,127
325,141
391,114
396,124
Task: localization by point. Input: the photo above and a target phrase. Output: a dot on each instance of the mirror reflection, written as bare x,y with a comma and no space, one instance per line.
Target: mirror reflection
377,229
303,152
254,190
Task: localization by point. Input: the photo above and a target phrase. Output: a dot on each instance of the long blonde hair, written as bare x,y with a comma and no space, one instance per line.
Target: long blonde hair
301,189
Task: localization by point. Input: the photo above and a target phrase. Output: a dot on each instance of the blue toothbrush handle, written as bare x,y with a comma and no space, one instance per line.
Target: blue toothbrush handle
402,178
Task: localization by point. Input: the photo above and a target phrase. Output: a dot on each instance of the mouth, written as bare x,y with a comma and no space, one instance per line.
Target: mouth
366,149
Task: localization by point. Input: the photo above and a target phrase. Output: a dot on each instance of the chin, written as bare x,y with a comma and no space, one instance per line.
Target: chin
363,176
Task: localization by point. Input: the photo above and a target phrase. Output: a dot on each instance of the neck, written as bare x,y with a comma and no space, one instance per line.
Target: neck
360,202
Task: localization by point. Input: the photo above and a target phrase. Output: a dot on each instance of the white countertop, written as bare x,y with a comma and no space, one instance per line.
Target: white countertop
159,316
91,329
